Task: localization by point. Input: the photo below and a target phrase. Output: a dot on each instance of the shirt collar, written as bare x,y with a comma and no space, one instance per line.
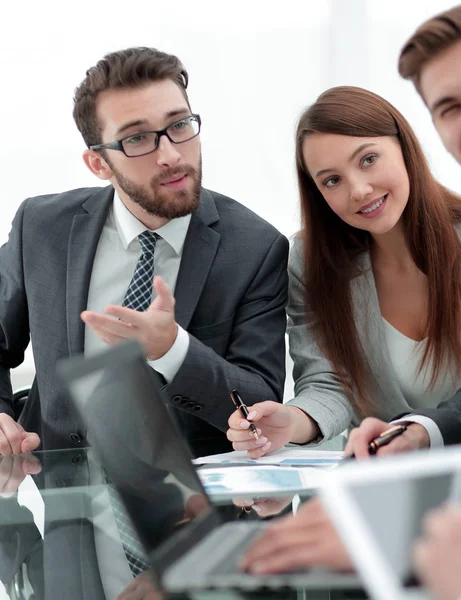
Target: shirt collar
129,227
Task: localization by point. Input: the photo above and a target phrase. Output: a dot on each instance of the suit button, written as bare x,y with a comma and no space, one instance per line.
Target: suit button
76,437
198,407
77,459
176,399
191,405
184,401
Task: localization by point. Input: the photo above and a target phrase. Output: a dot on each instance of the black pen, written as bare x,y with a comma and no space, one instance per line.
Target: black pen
382,440
241,406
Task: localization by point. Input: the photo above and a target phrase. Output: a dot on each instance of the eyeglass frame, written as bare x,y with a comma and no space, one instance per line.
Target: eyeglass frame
118,144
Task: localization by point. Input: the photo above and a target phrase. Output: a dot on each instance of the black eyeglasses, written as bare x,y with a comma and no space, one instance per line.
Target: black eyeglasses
146,142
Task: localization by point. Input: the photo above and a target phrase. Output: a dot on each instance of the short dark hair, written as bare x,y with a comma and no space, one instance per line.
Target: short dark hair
130,68
431,38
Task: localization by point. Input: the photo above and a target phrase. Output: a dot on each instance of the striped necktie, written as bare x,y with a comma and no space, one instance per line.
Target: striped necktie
139,293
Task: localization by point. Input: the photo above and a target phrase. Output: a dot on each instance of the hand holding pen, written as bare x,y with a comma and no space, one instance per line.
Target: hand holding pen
374,434
383,439
253,432
241,406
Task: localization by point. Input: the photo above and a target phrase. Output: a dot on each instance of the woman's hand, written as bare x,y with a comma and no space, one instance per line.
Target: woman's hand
277,424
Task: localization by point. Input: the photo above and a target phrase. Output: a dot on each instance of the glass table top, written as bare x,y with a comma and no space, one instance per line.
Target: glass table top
57,539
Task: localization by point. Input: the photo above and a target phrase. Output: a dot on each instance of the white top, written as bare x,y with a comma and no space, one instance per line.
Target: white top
405,355
116,256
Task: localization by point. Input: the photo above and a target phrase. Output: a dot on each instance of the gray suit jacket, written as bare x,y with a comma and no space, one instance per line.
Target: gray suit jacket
230,294
317,389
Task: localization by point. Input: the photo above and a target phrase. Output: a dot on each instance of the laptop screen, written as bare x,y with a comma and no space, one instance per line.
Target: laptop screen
141,450
394,511
378,507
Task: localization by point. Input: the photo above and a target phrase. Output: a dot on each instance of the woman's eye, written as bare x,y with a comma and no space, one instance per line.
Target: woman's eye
450,109
331,182
369,160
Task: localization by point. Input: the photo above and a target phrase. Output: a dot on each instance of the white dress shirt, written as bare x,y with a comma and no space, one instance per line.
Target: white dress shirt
116,257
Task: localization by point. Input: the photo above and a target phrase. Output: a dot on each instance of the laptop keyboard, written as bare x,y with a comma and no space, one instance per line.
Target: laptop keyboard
228,544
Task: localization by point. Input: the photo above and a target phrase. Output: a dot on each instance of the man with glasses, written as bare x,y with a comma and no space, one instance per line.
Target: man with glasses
77,272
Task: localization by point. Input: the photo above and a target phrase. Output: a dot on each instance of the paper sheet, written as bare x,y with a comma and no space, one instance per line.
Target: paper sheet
251,480
284,456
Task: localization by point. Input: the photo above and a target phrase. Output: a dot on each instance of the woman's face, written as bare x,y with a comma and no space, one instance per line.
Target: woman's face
363,180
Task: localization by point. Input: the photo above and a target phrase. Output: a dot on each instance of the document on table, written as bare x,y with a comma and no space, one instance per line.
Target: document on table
284,457
256,480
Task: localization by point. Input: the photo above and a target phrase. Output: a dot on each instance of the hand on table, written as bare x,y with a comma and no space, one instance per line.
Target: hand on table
155,329
413,438
307,539
13,470
263,507
14,439
437,555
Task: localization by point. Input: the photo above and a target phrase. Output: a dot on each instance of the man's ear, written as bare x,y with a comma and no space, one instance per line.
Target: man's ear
97,165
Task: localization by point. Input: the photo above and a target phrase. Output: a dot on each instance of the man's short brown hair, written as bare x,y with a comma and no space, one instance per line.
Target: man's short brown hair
433,36
130,68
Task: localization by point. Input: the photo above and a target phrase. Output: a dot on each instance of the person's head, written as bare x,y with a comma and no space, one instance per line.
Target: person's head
361,169
431,59
125,98
362,173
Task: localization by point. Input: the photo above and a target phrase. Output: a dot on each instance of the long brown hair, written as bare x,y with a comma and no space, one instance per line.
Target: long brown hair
332,247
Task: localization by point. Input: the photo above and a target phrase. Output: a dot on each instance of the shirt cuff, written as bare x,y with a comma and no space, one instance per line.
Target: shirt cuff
435,437
169,364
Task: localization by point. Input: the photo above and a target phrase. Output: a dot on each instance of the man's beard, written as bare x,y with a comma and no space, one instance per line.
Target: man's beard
165,203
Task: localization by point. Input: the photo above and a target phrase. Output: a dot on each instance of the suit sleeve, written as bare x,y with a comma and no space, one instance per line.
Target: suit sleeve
14,320
318,392
255,359
447,417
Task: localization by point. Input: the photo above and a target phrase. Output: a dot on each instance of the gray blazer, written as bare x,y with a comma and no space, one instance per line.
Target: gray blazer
317,389
230,294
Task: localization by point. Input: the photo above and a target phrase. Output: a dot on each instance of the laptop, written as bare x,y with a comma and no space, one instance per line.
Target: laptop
378,507
138,443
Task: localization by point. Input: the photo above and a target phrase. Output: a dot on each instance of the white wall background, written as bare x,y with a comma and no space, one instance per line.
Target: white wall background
253,65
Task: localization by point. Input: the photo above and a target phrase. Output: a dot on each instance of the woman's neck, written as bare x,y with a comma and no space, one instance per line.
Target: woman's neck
390,250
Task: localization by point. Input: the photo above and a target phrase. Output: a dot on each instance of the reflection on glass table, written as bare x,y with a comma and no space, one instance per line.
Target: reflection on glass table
55,534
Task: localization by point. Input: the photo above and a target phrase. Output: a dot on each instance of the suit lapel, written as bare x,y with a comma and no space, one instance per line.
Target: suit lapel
83,241
199,250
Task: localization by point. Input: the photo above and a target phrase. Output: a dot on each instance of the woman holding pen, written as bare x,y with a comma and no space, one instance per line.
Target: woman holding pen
374,312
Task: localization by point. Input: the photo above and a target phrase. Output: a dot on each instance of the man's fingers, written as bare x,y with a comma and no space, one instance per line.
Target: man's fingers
109,330
108,324
29,442
275,542
360,437
11,483
10,441
5,447
124,314
400,444
165,300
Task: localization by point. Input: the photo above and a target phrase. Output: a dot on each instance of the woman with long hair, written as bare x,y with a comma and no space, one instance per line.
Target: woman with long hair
374,313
